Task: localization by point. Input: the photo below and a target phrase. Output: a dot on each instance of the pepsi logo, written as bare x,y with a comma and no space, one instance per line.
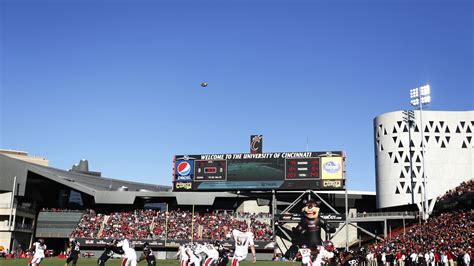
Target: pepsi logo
331,167
184,168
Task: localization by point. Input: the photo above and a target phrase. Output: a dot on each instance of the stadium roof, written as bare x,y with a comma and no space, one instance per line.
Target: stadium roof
104,190
108,190
79,181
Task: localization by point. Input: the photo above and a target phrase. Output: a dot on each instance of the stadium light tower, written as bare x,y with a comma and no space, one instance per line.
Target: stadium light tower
418,98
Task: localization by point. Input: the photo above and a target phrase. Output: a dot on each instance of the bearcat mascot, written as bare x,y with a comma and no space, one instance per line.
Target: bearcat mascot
309,228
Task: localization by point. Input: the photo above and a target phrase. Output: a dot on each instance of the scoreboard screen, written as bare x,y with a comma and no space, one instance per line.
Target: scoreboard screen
264,171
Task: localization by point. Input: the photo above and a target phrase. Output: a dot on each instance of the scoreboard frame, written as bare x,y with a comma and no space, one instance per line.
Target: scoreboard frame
259,172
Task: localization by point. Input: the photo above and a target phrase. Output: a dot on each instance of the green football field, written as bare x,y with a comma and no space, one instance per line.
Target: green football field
116,262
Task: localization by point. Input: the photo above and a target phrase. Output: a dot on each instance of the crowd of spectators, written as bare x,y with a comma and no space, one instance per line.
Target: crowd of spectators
463,188
173,225
136,224
89,225
218,226
179,224
442,239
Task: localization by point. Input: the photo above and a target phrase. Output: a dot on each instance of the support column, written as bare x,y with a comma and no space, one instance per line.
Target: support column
274,210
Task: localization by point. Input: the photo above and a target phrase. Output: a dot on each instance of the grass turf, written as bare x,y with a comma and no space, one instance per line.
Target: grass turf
116,262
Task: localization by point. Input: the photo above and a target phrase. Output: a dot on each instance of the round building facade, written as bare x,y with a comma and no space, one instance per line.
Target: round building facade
448,155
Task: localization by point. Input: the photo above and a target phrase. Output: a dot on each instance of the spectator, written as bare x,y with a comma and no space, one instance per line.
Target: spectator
174,225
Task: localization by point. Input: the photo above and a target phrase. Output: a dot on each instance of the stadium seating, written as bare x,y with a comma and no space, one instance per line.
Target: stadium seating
174,225
462,189
446,235
89,225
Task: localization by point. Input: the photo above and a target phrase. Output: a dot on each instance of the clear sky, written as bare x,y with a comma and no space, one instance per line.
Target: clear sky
117,82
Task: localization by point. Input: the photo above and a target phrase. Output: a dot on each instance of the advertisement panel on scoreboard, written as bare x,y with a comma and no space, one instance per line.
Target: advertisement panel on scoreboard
263,171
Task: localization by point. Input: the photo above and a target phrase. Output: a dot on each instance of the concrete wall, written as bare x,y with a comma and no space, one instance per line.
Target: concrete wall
5,239
251,206
339,239
449,156
5,200
25,157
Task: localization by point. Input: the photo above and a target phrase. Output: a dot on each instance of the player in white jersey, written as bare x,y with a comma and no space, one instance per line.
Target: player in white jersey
194,254
242,243
183,256
325,253
304,253
211,253
39,248
130,258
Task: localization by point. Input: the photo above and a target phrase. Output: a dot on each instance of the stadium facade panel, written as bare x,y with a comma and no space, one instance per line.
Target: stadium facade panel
448,155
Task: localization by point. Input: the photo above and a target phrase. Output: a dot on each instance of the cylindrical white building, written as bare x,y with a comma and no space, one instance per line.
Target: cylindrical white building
449,157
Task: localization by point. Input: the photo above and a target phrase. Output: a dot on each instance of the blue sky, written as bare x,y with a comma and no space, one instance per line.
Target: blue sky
117,82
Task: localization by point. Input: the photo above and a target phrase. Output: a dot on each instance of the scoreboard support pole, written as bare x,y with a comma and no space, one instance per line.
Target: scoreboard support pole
347,215
274,210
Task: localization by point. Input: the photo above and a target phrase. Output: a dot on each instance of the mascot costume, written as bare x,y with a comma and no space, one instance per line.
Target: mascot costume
309,228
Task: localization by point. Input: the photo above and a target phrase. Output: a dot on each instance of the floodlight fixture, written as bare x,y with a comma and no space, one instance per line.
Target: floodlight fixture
415,102
425,99
420,96
425,90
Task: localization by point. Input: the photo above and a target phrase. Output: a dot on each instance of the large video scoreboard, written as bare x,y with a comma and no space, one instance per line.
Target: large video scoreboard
263,171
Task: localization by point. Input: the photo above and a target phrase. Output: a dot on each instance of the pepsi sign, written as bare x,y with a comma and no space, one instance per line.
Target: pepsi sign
184,170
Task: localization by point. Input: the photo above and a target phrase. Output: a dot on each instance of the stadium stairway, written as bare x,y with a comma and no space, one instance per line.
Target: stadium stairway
152,225
102,226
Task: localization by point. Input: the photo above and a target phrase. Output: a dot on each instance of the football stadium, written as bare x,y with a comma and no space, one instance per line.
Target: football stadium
422,210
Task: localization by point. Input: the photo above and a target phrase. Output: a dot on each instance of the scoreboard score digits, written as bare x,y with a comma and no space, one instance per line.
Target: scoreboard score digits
302,168
210,170
264,171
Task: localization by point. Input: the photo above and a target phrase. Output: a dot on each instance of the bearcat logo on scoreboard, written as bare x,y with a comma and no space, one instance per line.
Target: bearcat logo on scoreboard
184,170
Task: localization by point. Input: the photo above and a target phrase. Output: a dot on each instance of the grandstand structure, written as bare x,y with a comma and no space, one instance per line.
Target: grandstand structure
41,201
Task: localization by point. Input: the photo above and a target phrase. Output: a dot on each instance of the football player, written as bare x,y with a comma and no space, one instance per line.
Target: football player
223,254
212,255
325,254
242,242
110,249
304,253
148,255
39,249
183,255
74,250
130,258
194,254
